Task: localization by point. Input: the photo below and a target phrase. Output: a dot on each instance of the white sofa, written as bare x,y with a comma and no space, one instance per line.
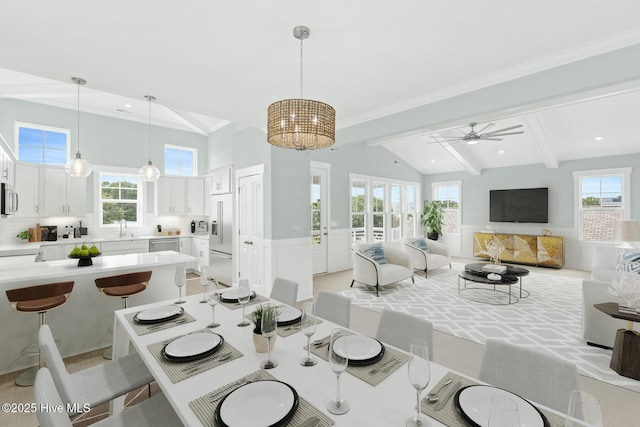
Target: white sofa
371,273
599,329
436,255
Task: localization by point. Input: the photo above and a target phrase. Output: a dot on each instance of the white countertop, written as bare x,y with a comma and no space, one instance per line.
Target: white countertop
68,268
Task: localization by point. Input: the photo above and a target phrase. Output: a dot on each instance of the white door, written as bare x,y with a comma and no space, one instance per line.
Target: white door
250,230
319,232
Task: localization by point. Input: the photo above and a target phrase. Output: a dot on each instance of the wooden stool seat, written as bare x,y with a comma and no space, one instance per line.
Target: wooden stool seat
124,291
37,299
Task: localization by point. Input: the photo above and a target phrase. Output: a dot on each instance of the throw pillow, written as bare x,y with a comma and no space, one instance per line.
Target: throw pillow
419,242
375,251
628,261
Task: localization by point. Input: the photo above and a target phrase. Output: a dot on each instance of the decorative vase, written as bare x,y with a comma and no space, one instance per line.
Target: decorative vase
260,342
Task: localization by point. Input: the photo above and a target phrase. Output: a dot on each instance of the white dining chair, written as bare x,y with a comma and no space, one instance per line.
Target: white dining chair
333,307
153,412
399,329
97,384
531,373
285,291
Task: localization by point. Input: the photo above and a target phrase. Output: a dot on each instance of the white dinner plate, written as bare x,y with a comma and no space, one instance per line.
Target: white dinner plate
232,295
474,403
360,348
158,314
288,315
258,404
192,345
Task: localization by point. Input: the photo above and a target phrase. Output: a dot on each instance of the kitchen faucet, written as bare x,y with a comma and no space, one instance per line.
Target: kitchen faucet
122,229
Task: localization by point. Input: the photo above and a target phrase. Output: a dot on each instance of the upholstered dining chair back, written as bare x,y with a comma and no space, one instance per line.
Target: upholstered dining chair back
333,307
531,373
399,329
46,395
285,291
97,384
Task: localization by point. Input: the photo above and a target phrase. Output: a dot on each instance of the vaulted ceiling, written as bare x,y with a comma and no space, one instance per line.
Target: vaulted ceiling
213,62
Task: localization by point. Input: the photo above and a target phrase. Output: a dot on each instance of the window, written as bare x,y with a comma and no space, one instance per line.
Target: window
42,145
120,198
448,193
181,161
603,197
382,209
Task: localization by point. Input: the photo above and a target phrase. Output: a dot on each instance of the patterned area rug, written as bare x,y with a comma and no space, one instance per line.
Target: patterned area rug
550,317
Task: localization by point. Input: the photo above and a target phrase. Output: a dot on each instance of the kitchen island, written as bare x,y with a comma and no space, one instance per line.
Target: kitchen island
81,324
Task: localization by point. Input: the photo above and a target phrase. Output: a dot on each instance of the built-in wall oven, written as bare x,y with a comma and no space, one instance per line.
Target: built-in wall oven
8,200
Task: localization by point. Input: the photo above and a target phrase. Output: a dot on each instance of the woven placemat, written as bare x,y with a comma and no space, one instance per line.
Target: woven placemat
205,406
143,329
372,374
449,415
178,371
235,305
285,331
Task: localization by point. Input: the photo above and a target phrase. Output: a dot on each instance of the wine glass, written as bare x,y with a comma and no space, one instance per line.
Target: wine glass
204,281
244,295
584,410
181,278
503,412
269,327
309,322
419,376
212,298
338,364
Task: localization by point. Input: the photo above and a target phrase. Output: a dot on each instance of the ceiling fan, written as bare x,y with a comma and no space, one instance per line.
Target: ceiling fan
473,136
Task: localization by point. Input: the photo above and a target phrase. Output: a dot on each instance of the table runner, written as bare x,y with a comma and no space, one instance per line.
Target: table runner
178,371
143,329
372,374
204,407
449,415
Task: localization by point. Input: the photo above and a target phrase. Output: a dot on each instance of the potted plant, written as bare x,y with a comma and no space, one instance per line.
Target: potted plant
260,342
432,216
24,236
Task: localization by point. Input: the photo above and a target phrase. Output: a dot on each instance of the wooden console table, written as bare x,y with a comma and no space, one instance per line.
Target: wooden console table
626,347
543,251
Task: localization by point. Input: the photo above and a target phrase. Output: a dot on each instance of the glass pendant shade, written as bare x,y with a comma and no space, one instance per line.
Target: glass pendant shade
149,172
78,167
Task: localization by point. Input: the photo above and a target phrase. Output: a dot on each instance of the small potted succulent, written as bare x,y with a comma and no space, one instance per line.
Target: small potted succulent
24,236
259,341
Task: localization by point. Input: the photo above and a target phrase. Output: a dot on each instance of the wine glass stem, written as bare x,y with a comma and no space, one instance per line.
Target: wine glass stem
179,292
242,320
309,348
338,399
418,416
268,349
213,314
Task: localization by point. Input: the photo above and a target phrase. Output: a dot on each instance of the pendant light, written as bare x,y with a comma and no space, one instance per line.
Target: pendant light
78,167
149,172
301,124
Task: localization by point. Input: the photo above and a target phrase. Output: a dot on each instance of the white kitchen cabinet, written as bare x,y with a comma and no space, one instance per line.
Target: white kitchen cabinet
6,166
220,180
195,196
51,252
125,246
171,196
63,195
28,189
201,247
186,247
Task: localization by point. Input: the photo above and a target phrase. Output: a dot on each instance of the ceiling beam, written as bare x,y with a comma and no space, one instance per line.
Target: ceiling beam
190,121
541,140
469,165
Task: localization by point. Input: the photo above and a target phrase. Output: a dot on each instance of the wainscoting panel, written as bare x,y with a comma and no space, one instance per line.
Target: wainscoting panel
339,252
290,259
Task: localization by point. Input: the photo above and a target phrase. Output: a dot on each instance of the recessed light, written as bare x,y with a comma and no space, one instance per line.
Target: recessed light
599,138
501,152
433,161
127,105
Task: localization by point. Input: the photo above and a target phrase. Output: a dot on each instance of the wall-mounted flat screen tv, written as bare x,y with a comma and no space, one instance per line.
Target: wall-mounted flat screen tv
519,205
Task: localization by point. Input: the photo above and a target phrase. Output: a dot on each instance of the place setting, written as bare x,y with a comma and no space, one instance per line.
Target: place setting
367,358
158,318
240,297
272,402
191,354
460,402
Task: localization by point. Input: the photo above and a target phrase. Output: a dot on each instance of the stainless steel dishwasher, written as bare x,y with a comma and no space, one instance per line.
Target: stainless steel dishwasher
170,244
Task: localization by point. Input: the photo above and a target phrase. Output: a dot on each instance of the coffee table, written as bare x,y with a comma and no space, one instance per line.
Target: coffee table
512,271
477,278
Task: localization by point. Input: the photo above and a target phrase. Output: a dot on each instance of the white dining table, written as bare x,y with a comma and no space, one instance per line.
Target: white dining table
389,403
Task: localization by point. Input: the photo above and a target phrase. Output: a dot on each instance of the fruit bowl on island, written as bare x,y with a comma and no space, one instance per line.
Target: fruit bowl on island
84,254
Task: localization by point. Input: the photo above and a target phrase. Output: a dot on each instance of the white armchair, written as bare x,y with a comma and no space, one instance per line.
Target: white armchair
393,267
436,255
